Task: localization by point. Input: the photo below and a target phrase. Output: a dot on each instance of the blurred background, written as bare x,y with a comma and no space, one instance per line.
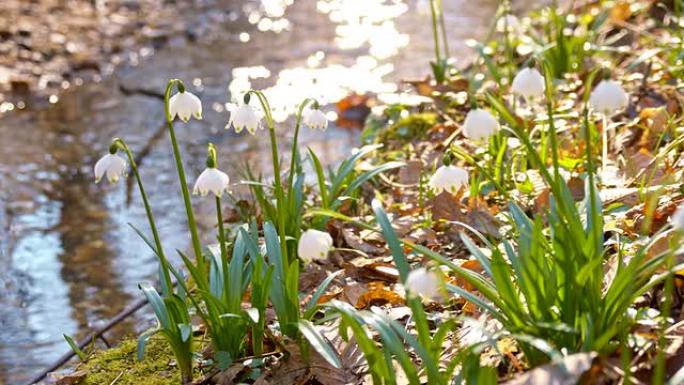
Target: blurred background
76,73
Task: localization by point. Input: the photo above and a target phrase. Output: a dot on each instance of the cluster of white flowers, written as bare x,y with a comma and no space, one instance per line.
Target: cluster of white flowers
607,98
185,105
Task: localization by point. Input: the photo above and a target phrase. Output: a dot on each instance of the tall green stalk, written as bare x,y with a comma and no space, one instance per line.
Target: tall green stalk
167,287
298,124
280,193
197,248
435,32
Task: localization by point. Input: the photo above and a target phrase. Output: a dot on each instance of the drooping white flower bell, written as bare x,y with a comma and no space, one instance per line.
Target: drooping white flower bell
212,180
608,97
185,104
479,124
316,119
422,282
111,165
528,83
243,116
448,178
314,245
677,218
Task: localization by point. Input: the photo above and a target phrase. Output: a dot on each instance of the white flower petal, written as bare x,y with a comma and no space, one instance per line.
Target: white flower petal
422,282
677,218
479,124
244,116
608,97
316,119
185,105
314,245
110,165
448,178
211,180
528,83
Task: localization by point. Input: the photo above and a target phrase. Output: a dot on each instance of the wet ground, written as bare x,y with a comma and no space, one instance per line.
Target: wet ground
68,259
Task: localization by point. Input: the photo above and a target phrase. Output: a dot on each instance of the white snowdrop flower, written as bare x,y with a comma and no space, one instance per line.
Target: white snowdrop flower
112,165
185,104
243,116
315,118
528,83
677,218
608,97
449,178
509,21
479,124
212,180
314,245
422,282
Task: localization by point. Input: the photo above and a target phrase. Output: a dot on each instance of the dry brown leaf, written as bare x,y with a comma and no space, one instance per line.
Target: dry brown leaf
71,378
446,206
363,296
380,271
296,369
410,174
355,241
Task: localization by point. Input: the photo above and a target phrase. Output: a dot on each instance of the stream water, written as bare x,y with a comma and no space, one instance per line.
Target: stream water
68,259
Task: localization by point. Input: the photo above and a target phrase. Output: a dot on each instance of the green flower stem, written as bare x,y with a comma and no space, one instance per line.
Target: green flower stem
280,194
298,123
604,153
442,25
548,79
181,175
222,244
666,308
435,33
148,210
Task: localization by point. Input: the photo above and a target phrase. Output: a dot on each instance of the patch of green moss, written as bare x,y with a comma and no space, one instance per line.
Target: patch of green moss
121,362
412,127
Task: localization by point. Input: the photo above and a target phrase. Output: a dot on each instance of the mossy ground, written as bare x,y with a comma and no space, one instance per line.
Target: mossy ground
121,364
